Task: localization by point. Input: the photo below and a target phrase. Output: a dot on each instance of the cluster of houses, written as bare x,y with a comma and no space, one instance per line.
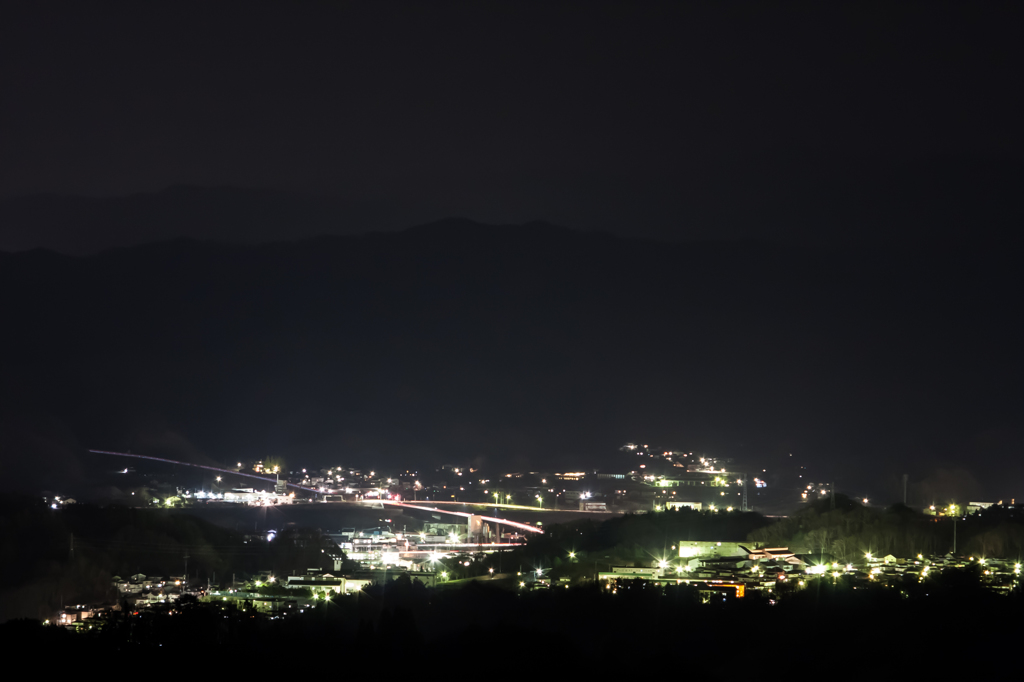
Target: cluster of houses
997,574
734,565
721,569
138,591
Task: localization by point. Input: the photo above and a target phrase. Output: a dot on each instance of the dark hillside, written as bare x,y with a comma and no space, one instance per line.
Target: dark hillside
531,346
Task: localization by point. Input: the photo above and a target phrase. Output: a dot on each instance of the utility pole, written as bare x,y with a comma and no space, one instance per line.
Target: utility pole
71,555
905,489
186,566
744,492
833,495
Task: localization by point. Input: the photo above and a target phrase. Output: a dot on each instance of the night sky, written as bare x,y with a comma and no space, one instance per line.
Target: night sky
859,166
670,120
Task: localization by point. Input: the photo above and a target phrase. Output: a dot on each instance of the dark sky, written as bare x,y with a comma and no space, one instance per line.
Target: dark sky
673,120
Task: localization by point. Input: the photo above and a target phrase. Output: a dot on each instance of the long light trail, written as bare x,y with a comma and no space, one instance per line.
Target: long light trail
201,466
524,507
515,524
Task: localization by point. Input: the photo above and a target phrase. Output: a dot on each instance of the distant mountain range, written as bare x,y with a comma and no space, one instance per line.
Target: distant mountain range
517,347
794,197
82,225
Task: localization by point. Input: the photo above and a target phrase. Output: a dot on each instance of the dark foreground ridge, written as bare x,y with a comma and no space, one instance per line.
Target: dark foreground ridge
494,613
583,630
